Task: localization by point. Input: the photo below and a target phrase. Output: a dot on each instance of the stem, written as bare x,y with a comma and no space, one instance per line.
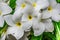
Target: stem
3,30
57,32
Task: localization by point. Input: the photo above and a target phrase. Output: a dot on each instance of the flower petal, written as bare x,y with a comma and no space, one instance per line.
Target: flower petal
24,17
56,15
19,2
5,8
1,21
58,6
37,14
53,3
17,15
43,3
16,32
27,25
38,28
9,20
56,18
46,14
28,9
49,25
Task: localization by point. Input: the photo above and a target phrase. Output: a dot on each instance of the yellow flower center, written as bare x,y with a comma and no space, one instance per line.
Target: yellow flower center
49,8
34,4
18,24
23,5
0,12
29,17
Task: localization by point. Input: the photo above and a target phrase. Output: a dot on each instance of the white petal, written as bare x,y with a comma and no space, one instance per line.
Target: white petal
9,20
38,28
17,7
5,8
46,14
24,17
37,14
38,7
56,18
55,11
49,25
1,21
56,15
58,6
28,9
53,3
19,2
27,25
43,3
16,32
17,15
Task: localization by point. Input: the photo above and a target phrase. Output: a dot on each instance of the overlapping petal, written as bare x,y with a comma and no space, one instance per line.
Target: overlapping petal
5,8
15,31
1,21
38,28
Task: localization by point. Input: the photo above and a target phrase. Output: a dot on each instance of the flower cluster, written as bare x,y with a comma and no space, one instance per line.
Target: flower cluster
35,14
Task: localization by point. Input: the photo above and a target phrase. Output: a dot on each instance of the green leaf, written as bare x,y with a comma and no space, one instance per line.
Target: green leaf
4,29
3,26
32,37
58,1
50,36
57,28
58,31
12,4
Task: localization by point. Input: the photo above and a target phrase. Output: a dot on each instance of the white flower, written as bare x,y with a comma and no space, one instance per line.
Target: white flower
38,26
15,31
18,13
17,26
22,4
51,12
4,9
42,26
38,4
29,17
